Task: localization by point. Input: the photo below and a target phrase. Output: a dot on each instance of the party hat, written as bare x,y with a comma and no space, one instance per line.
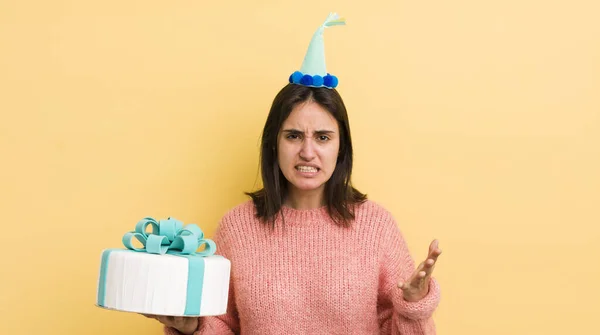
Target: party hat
313,71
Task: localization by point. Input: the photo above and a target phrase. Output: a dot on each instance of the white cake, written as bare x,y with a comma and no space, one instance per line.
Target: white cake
167,276
162,285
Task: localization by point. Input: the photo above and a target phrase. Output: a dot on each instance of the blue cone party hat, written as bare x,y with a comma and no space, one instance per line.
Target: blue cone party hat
313,71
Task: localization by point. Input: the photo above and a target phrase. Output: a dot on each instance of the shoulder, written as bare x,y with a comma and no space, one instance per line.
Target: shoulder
376,217
235,221
233,228
243,208
242,212
372,210
375,220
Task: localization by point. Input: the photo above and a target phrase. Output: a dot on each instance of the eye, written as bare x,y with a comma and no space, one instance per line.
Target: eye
292,136
323,138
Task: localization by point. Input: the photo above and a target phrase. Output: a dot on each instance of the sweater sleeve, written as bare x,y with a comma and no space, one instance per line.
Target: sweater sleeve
401,316
226,324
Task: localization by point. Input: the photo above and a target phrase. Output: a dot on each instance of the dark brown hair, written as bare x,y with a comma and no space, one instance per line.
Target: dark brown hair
340,195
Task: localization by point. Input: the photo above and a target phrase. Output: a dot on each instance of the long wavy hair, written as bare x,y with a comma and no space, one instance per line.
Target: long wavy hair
340,196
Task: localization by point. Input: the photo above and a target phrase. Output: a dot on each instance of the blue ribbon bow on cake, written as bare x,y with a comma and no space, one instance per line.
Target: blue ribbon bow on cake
169,237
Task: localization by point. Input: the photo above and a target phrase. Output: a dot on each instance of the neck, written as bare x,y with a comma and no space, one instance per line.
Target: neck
305,199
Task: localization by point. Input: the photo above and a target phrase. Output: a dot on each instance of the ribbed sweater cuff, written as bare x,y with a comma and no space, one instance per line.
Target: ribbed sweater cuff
421,309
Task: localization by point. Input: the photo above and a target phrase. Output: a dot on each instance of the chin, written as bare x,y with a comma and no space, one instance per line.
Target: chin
308,186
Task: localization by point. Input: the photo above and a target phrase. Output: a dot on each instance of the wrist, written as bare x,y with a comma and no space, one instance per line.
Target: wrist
419,309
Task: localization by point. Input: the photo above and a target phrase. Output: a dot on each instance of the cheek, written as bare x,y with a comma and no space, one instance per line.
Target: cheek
284,155
330,158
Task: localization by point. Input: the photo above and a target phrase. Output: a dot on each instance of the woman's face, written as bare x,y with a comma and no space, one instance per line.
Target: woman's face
308,145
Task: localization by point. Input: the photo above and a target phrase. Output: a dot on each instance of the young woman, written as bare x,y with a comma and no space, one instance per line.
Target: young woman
310,254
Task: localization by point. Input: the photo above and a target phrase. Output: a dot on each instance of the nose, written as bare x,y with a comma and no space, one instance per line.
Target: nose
307,152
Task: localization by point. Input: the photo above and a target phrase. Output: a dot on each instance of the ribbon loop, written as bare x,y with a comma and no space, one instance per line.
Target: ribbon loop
141,226
169,237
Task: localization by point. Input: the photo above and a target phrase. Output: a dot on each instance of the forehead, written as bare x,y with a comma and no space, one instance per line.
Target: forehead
310,116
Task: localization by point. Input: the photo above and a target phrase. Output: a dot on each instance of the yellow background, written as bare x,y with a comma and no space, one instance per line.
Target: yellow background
474,122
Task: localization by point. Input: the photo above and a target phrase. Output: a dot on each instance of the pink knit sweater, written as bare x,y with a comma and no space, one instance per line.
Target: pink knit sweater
311,276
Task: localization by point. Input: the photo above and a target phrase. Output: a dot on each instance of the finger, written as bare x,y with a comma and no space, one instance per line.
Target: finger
434,250
414,281
417,279
402,285
426,266
429,263
409,282
429,266
166,320
415,274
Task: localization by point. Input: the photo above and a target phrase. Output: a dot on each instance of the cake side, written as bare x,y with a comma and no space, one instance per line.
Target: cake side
215,290
143,283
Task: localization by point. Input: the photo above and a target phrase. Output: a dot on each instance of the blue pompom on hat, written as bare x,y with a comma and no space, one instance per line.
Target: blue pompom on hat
313,72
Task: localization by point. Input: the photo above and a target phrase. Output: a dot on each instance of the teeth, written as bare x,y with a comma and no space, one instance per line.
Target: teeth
306,169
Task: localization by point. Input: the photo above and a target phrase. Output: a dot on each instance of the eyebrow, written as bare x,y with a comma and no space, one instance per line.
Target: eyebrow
296,131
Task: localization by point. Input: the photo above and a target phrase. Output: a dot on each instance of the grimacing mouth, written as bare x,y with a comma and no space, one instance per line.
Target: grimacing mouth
297,167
